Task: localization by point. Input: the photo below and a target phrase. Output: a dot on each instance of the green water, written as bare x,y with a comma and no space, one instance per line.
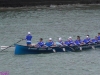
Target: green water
46,22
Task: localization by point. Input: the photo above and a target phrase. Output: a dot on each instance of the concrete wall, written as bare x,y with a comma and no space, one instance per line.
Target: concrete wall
18,3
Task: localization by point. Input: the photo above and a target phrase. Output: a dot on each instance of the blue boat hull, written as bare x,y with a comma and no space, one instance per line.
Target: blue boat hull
20,49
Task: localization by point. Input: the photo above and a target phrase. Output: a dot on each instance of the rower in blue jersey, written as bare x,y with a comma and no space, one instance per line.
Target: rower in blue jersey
28,39
40,43
87,40
98,37
69,42
50,43
78,41
95,40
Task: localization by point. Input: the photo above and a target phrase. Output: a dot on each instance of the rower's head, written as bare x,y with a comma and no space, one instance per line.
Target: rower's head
87,36
98,34
50,39
70,38
29,32
78,37
60,39
41,39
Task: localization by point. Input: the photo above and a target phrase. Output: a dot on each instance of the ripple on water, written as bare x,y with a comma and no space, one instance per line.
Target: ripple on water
54,22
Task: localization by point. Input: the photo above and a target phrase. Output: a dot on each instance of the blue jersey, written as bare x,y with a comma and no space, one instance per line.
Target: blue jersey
94,40
40,44
50,43
71,42
78,42
87,40
28,39
98,38
67,43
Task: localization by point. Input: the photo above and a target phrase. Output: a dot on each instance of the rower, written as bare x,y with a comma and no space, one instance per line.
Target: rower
40,43
87,40
28,39
60,42
69,42
78,41
95,40
50,43
98,37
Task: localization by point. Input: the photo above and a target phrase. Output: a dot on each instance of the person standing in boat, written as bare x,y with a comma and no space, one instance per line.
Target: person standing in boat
41,43
28,39
78,41
69,42
87,40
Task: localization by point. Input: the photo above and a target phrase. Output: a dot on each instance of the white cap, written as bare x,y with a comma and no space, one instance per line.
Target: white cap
50,38
60,38
87,36
29,33
70,37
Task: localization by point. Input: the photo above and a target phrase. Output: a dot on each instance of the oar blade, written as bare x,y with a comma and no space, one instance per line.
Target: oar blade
6,47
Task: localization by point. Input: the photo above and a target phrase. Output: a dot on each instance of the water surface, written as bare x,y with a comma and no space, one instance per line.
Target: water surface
55,21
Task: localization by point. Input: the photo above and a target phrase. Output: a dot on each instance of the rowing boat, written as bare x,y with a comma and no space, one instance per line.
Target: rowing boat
20,49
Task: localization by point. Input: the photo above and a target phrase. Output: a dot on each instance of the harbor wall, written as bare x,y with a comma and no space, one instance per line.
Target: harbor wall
19,3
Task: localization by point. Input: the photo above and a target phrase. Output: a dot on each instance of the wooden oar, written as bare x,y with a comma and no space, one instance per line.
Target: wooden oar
71,48
11,45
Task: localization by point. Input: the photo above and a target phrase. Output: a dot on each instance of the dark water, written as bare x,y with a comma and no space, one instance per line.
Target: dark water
55,21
